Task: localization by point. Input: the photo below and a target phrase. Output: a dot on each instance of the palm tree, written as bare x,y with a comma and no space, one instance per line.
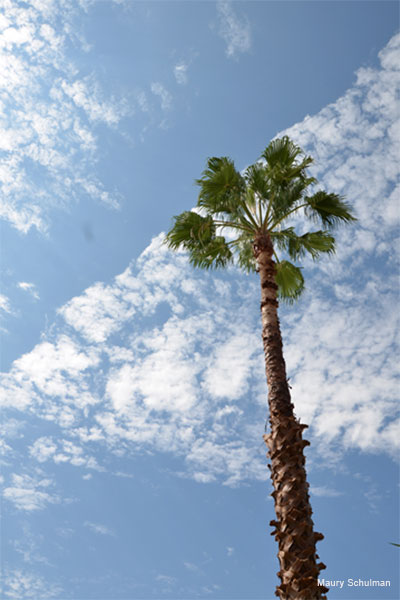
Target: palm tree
252,208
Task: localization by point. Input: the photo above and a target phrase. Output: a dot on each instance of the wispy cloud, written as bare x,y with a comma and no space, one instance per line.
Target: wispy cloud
30,288
5,304
52,370
29,547
99,528
62,451
165,97
166,580
49,116
180,72
192,567
324,491
234,30
20,583
29,493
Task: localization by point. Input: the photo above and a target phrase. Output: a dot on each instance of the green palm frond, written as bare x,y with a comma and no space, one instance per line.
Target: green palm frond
256,180
282,166
329,209
190,230
281,151
284,199
290,281
281,239
197,235
245,254
314,242
214,255
221,187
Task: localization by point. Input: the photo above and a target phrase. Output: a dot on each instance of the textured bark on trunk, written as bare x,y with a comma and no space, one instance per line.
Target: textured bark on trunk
294,528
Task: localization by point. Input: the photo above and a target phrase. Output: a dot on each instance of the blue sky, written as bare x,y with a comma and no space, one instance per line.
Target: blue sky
133,389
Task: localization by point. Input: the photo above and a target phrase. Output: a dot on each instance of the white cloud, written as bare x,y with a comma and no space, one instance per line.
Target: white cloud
99,528
230,366
180,72
5,304
28,493
51,370
48,116
98,312
192,567
62,451
166,579
19,583
324,491
165,97
30,288
43,449
48,364
29,547
353,363
234,30
86,94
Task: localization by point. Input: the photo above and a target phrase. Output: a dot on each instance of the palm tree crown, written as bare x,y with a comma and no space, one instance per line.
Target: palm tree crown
255,204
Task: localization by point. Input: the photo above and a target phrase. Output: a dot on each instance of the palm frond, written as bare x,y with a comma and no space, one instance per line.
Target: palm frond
190,230
214,255
245,254
281,151
329,209
281,239
221,187
282,165
250,200
284,199
313,242
197,235
290,281
257,180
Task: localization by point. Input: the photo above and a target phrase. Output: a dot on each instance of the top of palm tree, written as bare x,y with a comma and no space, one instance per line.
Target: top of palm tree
255,204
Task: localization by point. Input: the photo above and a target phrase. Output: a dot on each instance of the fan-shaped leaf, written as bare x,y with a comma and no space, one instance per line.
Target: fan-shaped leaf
281,239
290,281
282,152
245,255
330,209
313,242
282,166
196,234
190,230
284,199
221,187
257,180
216,254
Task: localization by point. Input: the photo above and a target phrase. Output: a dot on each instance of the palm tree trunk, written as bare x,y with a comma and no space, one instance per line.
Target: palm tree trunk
294,531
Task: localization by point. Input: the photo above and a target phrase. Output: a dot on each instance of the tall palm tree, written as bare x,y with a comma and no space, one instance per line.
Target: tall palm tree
251,208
